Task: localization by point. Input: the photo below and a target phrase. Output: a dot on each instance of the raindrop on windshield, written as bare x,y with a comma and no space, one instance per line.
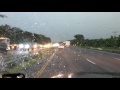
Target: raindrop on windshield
35,23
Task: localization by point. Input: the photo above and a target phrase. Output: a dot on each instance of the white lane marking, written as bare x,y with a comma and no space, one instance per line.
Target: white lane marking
117,58
90,61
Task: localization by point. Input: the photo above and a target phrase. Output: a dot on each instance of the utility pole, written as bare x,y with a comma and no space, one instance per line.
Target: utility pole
115,37
115,33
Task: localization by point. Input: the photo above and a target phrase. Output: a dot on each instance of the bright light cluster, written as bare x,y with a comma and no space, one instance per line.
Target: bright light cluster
24,46
55,45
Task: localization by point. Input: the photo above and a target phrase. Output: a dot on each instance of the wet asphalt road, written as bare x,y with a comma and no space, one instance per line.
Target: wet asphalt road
72,60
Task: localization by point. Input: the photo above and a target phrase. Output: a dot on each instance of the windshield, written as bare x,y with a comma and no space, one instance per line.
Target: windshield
58,44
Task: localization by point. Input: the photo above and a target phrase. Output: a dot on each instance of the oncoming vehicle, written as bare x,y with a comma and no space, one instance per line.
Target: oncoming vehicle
24,47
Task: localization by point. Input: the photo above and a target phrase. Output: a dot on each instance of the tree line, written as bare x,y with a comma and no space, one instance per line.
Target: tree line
16,35
113,41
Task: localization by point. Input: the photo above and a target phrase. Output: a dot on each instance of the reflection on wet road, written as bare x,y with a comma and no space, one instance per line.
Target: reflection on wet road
65,62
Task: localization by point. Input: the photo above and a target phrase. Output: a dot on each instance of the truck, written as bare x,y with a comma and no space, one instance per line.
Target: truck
4,44
67,43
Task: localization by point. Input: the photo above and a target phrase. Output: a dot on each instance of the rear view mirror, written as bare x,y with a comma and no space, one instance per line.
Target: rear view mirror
15,75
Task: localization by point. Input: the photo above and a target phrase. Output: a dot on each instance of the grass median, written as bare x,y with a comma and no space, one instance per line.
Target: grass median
107,49
26,63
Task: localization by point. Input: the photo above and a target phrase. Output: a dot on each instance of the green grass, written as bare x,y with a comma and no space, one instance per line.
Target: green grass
111,48
26,65
108,49
114,50
9,55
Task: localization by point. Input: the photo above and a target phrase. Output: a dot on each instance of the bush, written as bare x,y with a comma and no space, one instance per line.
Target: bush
26,59
35,56
11,65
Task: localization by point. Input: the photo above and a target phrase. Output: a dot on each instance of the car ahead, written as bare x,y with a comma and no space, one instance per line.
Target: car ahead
61,46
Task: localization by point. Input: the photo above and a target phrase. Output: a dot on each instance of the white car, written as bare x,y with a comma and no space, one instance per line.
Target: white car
61,46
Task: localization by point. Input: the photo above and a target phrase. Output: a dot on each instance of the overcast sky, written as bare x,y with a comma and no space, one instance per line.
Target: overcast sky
61,26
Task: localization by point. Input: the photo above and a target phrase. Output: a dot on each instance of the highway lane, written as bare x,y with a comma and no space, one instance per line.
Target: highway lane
110,61
75,60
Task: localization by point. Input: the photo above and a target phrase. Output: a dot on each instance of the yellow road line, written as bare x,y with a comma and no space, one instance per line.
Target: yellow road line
43,68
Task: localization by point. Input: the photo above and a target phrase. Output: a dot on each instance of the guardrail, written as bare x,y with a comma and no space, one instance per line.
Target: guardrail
17,60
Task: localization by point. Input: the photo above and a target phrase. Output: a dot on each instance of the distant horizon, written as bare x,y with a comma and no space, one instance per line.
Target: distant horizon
61,26
64,40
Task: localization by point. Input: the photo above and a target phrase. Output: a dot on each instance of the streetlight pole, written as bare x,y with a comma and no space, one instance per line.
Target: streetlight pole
115,37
